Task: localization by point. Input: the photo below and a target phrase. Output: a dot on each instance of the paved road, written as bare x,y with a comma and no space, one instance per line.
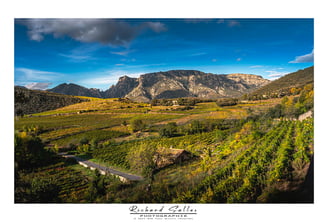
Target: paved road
103,168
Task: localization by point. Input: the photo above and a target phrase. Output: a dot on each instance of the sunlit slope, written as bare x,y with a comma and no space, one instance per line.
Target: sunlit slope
100,105
286,84
105,119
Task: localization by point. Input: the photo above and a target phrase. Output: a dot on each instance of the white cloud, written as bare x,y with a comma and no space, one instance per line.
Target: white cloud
104,31
108,78
233,23
82,53
256,66
123,53
128,60
38,85
156,26
275,75
33,75
238,59
304,58
198,54
229,22
76,58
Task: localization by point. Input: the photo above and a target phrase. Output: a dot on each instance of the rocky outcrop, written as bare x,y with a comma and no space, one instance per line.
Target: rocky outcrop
124,86
186,83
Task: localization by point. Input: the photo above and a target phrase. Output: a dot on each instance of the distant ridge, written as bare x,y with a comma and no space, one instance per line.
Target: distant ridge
172,84
76,90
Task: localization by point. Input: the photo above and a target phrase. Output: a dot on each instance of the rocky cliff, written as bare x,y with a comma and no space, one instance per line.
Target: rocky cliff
172,84
185,83
124,85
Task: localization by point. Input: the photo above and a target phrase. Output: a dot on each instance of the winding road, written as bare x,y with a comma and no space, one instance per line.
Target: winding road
104,170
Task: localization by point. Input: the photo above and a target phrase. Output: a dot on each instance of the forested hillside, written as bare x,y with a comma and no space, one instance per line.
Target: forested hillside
33,101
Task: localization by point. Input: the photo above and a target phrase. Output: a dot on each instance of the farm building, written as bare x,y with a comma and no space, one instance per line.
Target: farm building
165,157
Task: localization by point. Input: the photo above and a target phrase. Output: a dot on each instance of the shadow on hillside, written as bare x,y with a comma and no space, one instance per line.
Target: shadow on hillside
304,194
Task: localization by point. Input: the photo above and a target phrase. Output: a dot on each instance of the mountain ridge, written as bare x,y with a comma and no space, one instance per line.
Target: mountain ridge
172,84
283,86
73,89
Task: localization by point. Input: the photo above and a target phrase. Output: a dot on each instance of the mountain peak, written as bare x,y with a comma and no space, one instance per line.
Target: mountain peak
122,78
185,83
172,84
75,90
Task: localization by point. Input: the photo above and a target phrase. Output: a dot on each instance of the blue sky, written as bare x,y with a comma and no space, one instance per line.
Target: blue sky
95,52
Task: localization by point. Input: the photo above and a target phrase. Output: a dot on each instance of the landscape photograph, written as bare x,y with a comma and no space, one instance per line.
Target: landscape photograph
164,110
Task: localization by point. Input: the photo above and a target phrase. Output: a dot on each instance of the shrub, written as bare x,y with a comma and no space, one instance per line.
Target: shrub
84,141
30,152
227,102
137,125
85,148
169,130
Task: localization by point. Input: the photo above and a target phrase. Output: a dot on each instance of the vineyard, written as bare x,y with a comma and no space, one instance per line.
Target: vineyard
62,181
247,166
258,164
67,184
243,153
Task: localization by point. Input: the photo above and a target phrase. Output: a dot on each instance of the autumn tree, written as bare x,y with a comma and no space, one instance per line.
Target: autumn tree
142,159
